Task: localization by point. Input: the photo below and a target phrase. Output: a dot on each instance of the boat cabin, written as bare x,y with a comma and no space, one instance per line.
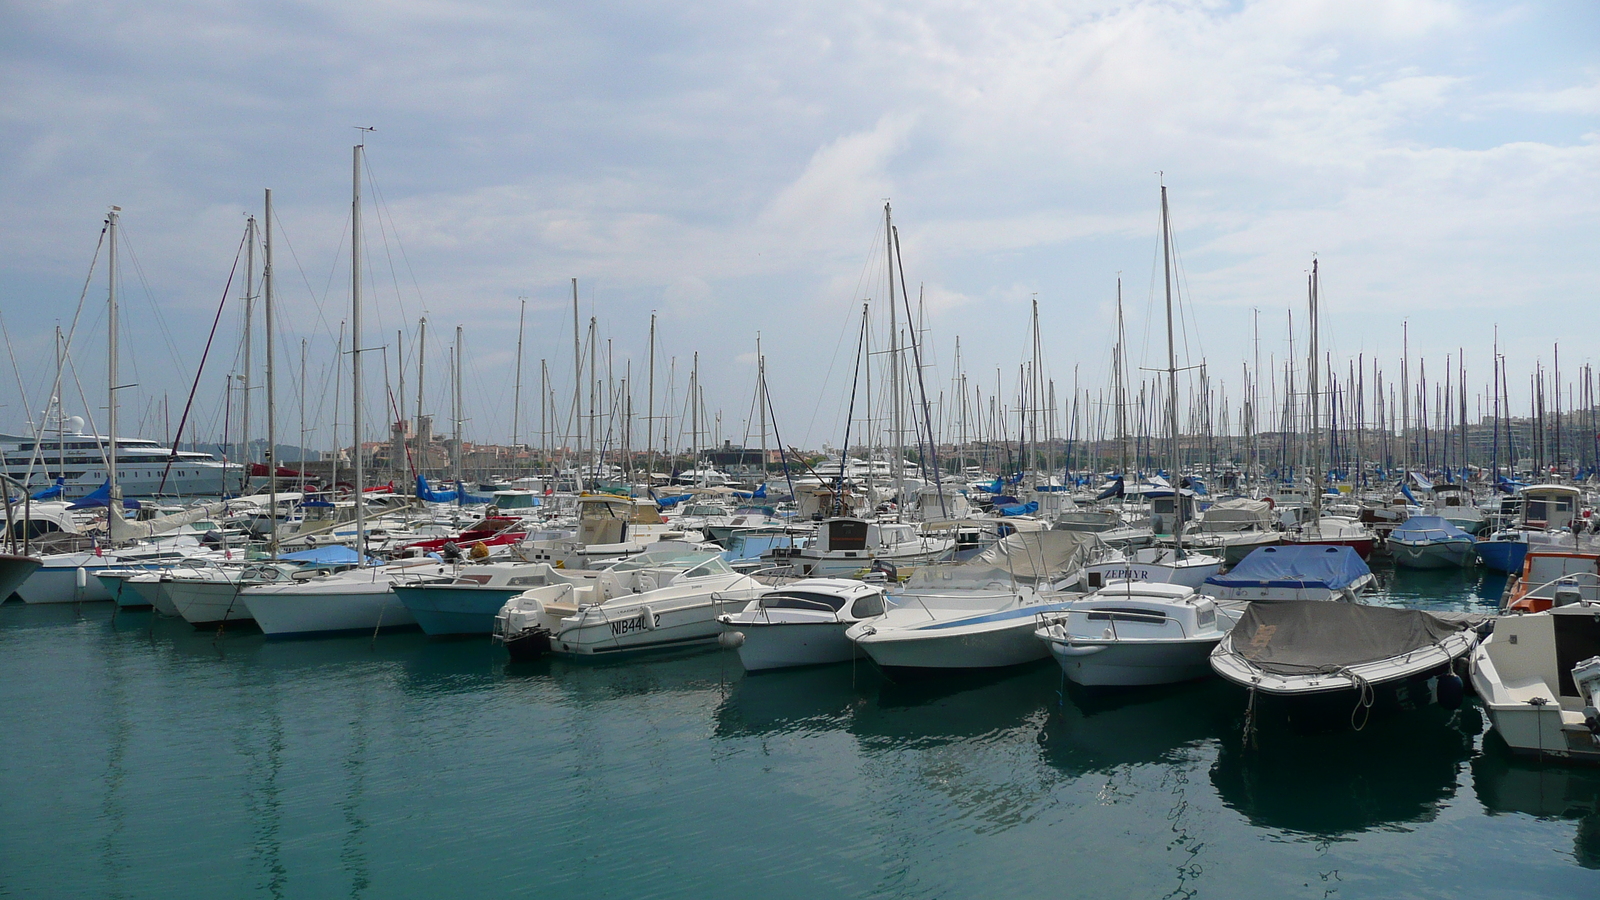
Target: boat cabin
1549,506
509,500
609,519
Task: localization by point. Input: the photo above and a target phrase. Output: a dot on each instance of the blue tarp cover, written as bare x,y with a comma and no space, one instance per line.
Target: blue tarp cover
429,495
102,497
331,555
1428,528
52,492
1018,509
1291,566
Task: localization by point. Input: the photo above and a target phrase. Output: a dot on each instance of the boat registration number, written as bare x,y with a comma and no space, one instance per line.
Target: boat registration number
635,624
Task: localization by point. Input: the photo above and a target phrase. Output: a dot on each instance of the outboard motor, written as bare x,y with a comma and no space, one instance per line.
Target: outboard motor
1586,675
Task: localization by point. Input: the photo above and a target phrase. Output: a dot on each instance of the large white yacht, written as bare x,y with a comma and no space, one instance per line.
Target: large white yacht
63,450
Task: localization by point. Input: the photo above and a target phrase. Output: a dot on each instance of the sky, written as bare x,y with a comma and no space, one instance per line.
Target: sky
725,165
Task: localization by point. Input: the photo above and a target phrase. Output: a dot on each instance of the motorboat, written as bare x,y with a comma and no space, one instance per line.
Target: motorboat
1132,633
1453,503
1548,573
1538,675
1333,662
1306,572
468,602
1545,511
211,597
802,623
325,603
1109,524
1232,529
653,601
980,614
1334,531
845,545
1430,542
1163,565
609,527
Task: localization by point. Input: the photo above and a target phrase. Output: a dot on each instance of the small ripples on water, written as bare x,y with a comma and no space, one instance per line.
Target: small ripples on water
144,759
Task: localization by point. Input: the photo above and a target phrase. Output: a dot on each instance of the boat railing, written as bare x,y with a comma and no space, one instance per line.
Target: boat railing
1045,620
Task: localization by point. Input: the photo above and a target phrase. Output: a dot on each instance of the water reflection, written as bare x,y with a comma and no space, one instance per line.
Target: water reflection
812,699
1508,784
1097,731
1397,770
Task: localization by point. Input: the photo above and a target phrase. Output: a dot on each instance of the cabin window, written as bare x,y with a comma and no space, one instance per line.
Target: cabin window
868,606
802,600
847,535
1127,615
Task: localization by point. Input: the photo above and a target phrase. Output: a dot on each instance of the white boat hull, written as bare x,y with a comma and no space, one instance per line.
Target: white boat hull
988,641
602,631
782,645
1133,663
343,605
203,603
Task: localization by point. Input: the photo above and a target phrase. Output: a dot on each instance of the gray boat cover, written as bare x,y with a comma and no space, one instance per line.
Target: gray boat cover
1307,636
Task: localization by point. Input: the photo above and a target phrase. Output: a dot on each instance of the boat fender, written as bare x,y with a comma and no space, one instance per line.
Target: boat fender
1450,691
1079,649
730,640
649,618
82,576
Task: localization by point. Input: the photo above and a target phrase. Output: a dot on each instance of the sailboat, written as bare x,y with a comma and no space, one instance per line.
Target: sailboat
66,577
363,598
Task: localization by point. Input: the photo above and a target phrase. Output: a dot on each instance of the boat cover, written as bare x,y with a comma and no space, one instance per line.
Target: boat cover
1292,566
331,555
1305,636
1428,529
1035,555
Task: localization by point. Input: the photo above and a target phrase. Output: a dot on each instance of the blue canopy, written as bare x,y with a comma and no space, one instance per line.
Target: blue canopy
1113,489
52,492
1406,490
1428,528
1296,566
987,487
102,497
430,495
1018,509
759,493
669,502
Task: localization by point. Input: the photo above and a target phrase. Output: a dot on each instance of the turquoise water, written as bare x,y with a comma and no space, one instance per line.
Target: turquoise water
141,759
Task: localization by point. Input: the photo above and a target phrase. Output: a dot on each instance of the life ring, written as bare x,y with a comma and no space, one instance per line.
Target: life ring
1269,502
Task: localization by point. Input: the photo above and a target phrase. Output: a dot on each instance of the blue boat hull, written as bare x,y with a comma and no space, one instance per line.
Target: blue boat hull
1502,556
453,609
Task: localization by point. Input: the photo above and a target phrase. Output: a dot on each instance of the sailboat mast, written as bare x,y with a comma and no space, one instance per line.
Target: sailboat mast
272,414
516,391
650,409
577,384
761,393
422,354
115,503
460,473
1119,363
249,345
355,350
1172,375
1314,401
894,359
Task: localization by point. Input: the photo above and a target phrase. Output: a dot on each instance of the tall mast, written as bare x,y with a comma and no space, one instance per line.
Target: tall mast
1314,399
1119,362
272,413
249,341
577,384
422,354
115,503
355,350
894,361
516,392
650,409
301,440
761,401
460,471
594,407
1172,376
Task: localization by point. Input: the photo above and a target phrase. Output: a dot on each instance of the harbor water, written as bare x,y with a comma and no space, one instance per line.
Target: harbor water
144,759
